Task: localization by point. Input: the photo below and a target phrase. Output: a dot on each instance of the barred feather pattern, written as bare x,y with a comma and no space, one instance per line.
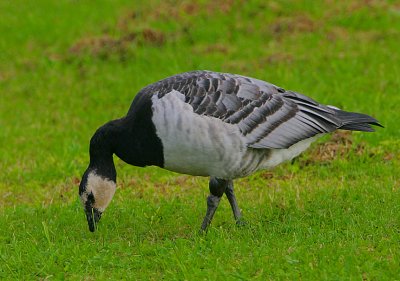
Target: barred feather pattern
267,116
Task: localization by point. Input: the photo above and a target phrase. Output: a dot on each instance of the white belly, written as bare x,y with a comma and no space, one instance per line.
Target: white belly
206,146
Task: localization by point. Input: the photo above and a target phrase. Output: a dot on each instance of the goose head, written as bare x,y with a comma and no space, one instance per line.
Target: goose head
95,192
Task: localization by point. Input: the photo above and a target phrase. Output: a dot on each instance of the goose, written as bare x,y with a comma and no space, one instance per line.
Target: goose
203,123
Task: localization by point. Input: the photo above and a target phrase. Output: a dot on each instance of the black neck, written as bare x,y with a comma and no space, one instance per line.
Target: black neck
101,153
131,138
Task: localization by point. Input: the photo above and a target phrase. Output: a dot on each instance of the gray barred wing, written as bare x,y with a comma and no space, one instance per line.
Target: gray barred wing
267,116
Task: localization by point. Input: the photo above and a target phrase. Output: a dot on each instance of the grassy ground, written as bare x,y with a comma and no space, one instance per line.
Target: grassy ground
66,67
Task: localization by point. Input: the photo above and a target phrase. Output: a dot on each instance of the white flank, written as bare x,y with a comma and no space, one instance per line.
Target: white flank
195,144
206,146
334,107
281,155
103,190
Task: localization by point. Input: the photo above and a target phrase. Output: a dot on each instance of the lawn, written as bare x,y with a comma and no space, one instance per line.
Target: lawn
67,67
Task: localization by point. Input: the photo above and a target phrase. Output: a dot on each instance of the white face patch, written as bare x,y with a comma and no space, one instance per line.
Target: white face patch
103,191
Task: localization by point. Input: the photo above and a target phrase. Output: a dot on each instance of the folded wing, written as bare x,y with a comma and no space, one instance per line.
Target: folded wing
267,116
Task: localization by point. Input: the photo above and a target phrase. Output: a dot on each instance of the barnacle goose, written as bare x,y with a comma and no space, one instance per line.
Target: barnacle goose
205,123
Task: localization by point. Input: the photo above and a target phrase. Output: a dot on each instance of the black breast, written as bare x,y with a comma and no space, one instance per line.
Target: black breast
137,142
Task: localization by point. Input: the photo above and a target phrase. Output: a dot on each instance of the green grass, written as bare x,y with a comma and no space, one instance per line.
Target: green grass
67,67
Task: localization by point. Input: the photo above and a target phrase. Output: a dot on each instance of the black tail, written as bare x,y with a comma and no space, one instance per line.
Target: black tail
353,121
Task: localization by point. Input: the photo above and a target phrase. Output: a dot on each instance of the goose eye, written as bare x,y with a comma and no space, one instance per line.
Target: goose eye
90,200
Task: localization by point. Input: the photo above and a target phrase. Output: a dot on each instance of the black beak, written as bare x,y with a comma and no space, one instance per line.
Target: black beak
93,216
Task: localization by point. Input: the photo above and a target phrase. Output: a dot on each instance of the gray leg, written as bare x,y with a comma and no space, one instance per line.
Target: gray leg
217,188
232,200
